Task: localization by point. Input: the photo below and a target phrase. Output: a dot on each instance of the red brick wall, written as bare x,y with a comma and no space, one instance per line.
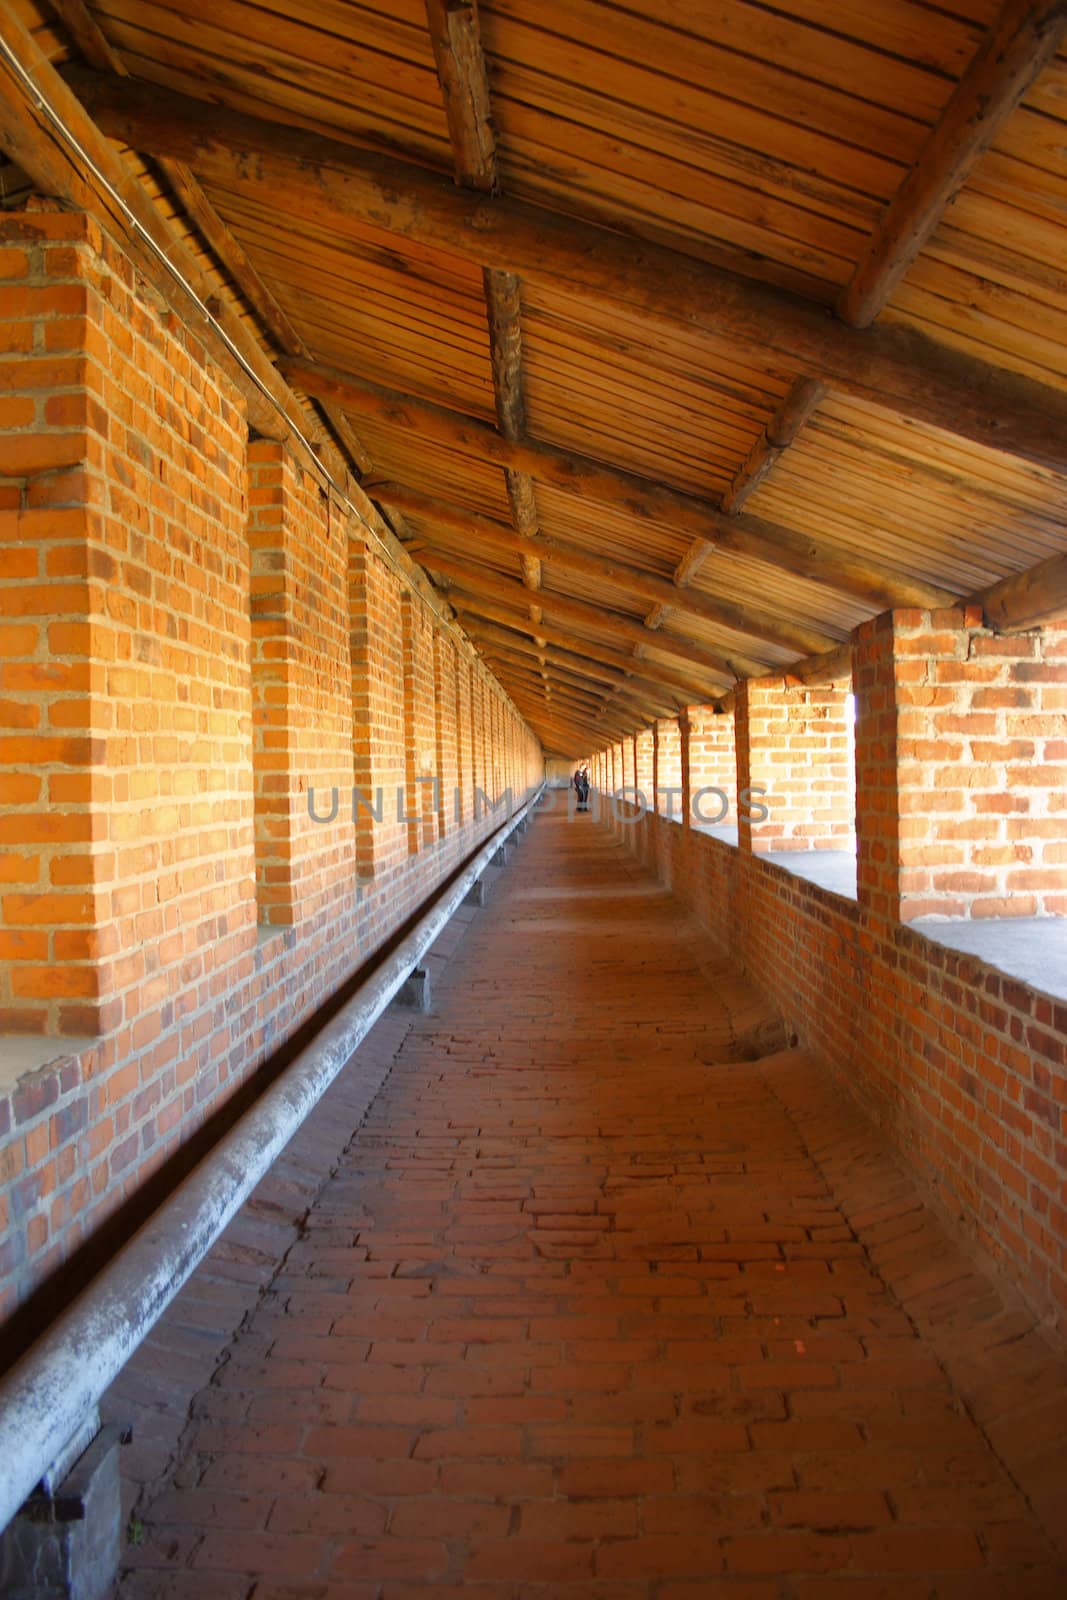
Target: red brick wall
962,767
798,749
146,741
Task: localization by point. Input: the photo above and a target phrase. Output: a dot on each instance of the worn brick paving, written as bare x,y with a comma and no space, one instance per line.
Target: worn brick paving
594,1308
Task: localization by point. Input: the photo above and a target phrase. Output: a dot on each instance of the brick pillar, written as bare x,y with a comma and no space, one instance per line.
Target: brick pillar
447,730
626,765
420,740
712,764
960,767
301,700
794,742
683,768
643,745
377,682
126,800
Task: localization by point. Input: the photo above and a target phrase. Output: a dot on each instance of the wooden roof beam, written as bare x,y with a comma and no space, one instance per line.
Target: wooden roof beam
759,625
695,682
572,705
576,665
559,681
503,299
497,587
644,500
779,434
529,658
457,52
783,428
569,724
327,182
1021,43
587,667
464,80
1026,599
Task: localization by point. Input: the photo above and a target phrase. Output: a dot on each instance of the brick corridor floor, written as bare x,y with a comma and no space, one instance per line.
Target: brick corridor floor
593,1309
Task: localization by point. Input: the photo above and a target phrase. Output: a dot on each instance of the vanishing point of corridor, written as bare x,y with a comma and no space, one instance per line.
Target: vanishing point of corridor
599,1305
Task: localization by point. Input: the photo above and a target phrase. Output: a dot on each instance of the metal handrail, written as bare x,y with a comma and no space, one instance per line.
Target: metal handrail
47,1395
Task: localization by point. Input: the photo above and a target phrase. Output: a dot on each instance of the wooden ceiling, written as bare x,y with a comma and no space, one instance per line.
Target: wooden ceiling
673,338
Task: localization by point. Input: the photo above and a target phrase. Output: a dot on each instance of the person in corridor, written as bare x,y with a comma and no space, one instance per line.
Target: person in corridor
581,787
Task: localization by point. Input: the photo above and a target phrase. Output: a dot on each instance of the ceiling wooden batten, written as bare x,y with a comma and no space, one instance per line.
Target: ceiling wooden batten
324,181
611,486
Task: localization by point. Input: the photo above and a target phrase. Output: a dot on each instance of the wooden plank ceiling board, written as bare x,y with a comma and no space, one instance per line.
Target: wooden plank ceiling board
365,72
608,531
992,279
781,143
940,511
408,318
725,124
684,408
400,455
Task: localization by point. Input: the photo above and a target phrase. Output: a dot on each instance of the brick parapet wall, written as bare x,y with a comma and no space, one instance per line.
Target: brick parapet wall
965,1067
129,764
961,760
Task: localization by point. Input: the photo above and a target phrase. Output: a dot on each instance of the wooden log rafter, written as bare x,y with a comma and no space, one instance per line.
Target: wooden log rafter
503,298
457,52
783,428
521,680
1026,599
1020,44
585,665
847,574
759,625
461,71
795,410
559,681
546,721
496,586
694,682
326,181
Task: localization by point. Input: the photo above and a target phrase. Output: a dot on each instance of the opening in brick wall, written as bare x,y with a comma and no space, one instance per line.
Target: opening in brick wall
801,776
713,772
667,768
962,801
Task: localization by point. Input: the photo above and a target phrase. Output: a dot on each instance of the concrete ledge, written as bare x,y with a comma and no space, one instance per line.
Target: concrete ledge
414,992
66,1545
